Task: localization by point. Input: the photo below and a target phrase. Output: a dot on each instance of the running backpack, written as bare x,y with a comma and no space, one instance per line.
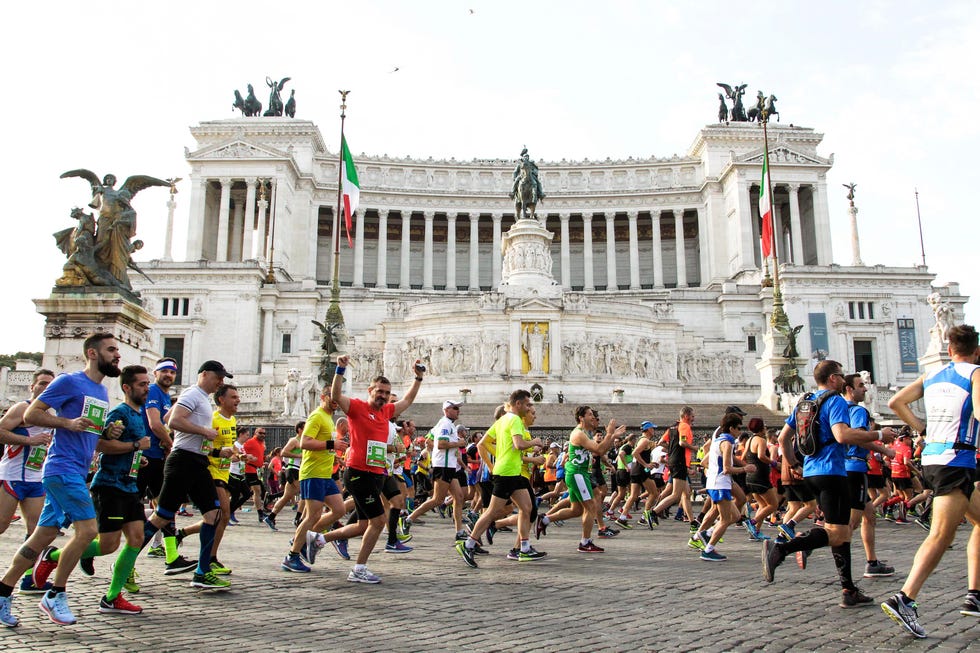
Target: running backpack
807,412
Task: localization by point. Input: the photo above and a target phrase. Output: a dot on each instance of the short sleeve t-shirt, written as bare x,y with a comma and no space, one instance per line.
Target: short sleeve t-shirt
857,457
899,464
507,459
368,436
198,403
256,449
829,461
119,470
74,395
156,398
227,428
444,431
318,464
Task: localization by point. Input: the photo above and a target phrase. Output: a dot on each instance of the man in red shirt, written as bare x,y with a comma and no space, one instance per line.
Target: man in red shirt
254,466
365,473
901,467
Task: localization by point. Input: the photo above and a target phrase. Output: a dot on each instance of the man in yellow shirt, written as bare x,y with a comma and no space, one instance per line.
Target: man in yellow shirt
316,486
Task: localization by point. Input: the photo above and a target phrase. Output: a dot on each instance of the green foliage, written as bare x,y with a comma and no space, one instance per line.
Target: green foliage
10,360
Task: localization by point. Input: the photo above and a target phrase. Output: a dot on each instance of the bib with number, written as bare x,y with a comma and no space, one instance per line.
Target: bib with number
35,460
134,468
95,410
376,452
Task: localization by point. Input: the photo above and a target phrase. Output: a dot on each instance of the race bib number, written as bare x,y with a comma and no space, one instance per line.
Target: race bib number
35,460
134,468
206,446
224,464
376,453
95,410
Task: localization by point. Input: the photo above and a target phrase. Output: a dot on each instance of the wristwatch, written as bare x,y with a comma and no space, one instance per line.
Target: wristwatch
136,445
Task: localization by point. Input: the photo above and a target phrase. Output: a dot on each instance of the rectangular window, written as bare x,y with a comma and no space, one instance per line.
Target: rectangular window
751,343
860,310
166,305
174,348
184,306
850,309
871,310
287,343
864,357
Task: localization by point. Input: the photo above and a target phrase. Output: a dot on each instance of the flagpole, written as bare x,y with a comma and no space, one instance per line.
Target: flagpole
918,214
334,314
778,317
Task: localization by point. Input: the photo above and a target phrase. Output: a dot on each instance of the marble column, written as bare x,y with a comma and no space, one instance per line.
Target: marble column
404,278
495,254
658,255
450,251
382,246
587,250
361,216
704,254
566,252
821,219
780,235
168,237
195,228
796,225
267,314
237,227
474,251
679,244
634,251
427,251
261,249
747,218
223,207
611,281
248,240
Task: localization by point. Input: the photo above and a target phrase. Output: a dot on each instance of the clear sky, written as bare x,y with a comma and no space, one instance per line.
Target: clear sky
114,86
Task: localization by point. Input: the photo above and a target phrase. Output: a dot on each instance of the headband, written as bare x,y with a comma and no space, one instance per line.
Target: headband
165,365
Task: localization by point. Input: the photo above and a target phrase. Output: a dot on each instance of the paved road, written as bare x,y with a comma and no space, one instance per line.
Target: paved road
648,592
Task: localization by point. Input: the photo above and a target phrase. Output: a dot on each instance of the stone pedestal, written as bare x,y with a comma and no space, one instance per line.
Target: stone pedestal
934,360
70,317
526,249
769,367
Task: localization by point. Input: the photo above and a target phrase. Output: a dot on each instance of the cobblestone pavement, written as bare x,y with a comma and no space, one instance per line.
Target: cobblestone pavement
648,592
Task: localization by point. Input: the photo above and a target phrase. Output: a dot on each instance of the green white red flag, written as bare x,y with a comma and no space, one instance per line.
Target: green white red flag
351,187
765,209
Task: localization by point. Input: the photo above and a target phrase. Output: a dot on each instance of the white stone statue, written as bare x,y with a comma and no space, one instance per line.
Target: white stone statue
293,395
871,397
310,394
534,343
944,316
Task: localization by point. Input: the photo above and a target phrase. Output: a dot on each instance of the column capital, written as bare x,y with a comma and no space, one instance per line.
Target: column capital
632,216
429,215
587,217
405,213
450,217
793,188
497,216
610,217
564,216
262,204
251,181
678,213
383,213
225,182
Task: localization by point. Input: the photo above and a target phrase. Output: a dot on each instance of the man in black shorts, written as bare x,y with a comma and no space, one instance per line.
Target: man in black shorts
680,448
155,413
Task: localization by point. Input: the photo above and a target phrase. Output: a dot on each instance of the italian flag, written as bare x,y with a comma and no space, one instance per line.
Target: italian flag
351,187
765,208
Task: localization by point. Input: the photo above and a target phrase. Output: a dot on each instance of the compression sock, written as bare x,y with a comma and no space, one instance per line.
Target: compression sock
125,562
842,559
393,514
170,547
91,551
207,541
815,539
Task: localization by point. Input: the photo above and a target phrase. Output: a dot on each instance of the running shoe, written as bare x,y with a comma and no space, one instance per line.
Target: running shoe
540,528
531,555
405,526
623,522
219,569
297,519
270,521
971,606
44,566
696,543
513,554
57,608
713,556
293,563
363,576
313,546
606,533
590,548
772,557
87,565
340,546
923,523
7,618
492,530
183,512
802,557
758,536
902,520
461,536
480,551
303,552
508,529
234,520
209,581
905,613
789,532
878,570
398,547
854,598
404,539
27,586
179,566
156,552
754,533
119,605
466,554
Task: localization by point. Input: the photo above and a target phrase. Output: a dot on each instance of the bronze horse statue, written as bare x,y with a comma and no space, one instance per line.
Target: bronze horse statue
526,198
249,106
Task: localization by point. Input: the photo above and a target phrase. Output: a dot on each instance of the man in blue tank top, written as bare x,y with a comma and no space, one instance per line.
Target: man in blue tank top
952,400
826,475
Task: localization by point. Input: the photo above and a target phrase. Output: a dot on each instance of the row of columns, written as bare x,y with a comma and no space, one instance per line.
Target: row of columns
474,260
240,232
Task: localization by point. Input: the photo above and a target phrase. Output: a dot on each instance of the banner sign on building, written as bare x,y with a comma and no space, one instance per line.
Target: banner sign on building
819,343
906,346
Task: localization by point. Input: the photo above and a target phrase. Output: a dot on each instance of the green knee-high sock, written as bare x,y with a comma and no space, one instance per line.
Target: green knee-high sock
93,550
125,562
170,547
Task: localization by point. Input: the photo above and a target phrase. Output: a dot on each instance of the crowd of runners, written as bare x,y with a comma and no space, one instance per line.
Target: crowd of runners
358,470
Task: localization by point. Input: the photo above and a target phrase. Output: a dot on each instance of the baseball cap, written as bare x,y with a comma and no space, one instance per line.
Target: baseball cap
647,425
451,404
216,367
736,410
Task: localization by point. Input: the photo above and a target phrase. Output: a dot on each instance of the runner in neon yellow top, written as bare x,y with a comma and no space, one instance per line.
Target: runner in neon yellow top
317,463
581,448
